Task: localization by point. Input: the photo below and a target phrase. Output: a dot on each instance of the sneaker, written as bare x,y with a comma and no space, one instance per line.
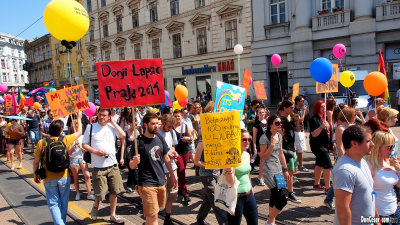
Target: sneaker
295,180
329,205
94,213
117,220
317,186
261,181
303,169
255,172
77,196
129,190
292,197
266,223
186,198
20,166
91,197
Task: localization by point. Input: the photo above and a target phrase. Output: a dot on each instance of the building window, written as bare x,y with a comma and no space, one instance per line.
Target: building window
174,7
135,18
199,3
78,45
107,55
230,78
91,30
69,70
59,72
180,81
339,4
21,79
121,53
155,46
177,46
203,85
103,3
21,64
278,11
81,69
137,50
4,77
201,41
49,52
1,50
89,5
230,34
119,23
326,5
153,11
44,53
105,29
15,78
57,50
3,64
14,64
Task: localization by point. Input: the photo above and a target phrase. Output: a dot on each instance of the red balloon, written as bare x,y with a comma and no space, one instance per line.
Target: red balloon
183,104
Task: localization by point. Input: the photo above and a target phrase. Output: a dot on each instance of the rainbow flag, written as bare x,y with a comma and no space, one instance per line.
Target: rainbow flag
20,100
46,84
381,68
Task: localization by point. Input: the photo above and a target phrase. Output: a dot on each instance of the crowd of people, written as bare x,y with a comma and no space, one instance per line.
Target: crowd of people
363,178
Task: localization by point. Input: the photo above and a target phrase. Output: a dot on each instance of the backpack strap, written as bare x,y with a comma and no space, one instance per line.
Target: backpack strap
43,152
90,135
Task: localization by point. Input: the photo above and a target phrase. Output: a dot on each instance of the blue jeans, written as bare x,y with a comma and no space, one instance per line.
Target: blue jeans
34,135
245,202
395,216
330,195
57,193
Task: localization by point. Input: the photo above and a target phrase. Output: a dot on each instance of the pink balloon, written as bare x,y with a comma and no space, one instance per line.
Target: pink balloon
183,104
3,88
90,111
251,80
167,93
339,50
276,59
38,97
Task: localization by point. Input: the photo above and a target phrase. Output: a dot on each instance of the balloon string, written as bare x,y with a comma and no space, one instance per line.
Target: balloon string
336,105
279,81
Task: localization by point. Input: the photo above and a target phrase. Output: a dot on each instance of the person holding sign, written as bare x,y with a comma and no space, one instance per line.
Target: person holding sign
99,140
15,131
274,164
153,153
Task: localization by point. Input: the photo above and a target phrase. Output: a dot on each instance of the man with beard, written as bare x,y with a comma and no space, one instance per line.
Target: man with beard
99,140
153,153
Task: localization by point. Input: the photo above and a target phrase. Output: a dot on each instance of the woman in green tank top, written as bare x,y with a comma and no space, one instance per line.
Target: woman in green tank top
245,199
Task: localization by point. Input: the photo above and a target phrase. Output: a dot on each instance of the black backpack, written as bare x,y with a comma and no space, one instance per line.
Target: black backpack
57,158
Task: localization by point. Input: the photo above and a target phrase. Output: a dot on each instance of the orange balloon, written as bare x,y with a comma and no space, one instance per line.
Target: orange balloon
375,83
36,105
181,93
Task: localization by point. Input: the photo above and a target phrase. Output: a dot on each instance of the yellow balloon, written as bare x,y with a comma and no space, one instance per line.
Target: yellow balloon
66,19
347,78
176,105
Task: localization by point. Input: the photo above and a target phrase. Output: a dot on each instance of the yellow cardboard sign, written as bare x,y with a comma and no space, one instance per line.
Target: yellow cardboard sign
67,101
296,88
221,139
332,85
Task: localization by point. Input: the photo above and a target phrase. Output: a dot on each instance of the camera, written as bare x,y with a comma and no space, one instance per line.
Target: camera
41,173
106,156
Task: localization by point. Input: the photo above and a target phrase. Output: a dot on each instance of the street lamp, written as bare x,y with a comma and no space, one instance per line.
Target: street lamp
238,49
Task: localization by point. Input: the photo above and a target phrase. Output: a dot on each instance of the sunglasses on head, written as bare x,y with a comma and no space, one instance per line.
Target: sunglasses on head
278,123
246,139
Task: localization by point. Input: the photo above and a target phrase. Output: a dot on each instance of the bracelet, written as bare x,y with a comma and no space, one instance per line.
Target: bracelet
284,169
227,172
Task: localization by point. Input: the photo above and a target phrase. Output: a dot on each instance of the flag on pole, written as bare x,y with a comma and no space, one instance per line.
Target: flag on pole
14,107
21,100
46,84
381,68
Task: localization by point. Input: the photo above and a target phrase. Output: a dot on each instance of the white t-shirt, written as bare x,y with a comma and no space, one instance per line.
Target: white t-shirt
103,138
171,140
78,149
398,96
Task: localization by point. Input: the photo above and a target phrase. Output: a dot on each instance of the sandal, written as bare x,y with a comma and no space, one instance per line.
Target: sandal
94,213
117,220
12,168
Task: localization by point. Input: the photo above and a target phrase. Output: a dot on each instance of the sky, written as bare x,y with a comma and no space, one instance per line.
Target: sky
17,15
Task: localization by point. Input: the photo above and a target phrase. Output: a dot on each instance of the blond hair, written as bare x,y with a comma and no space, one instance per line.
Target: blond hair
379,138
209,107
385,113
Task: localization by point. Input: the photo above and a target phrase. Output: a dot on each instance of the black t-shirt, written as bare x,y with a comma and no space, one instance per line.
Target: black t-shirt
182,147
261,128
300,113
322,140
288,138
150,169
34,123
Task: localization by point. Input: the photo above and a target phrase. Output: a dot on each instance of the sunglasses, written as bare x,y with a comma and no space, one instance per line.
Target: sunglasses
390,147
246,139
278,123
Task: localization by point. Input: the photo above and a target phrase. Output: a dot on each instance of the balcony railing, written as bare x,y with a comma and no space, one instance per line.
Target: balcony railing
331,20
388,11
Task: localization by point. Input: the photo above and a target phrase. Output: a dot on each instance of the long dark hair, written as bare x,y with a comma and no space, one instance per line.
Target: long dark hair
270,120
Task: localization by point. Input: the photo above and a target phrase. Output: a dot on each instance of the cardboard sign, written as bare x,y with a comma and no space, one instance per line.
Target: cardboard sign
221,139
296,89
130,83
246,81
260,89
67,101
229,97
8,104
332,85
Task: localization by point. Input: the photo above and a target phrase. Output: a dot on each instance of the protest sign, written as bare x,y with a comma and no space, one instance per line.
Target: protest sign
221,139
260,89
130,83
29,101
330,86
8,104
67,101
229,97
296,90
246,80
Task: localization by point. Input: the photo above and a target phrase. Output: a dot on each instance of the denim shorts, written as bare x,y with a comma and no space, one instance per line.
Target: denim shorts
76,162
13,142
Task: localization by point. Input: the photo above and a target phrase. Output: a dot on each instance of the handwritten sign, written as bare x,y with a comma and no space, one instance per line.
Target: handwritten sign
130,83
246,80
296,89
332,85
260,89
8,104
221,139
67,101
229,97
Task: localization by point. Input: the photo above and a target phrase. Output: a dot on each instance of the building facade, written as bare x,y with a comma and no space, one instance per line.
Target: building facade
194,38
301,31
12,58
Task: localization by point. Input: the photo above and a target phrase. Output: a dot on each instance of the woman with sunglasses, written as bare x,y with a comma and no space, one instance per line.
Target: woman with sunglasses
389,116
274,163
385,172
245,198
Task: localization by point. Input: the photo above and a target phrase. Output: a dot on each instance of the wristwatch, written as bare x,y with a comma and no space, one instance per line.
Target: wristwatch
284,169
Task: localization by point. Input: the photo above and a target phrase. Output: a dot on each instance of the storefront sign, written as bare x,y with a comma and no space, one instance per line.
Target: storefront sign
226,66
199,70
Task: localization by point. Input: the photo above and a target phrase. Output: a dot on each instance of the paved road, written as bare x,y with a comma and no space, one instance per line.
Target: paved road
22,200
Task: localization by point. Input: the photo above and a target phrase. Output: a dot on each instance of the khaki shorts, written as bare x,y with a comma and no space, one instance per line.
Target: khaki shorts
153,199
172,193
106,179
